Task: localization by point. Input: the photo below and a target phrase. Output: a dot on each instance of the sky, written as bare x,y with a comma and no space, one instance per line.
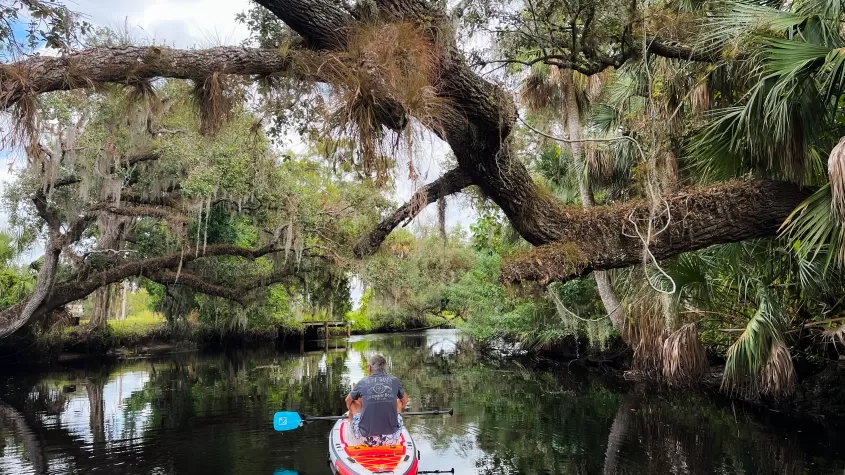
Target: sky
203,23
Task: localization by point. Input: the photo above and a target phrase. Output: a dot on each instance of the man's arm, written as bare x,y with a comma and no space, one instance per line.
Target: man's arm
401,399
353,402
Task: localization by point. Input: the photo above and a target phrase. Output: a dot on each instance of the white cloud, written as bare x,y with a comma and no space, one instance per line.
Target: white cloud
179,23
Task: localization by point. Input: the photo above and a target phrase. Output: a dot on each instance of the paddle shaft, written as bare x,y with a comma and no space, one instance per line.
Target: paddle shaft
420,413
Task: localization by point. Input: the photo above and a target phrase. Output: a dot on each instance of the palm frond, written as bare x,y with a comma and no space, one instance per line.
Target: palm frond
828,10
812,230
836,175
834,335
604,119
714,154
778,376
748,355
690,272
684,357
737,21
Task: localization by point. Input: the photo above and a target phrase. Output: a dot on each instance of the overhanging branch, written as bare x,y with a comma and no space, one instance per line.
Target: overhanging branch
450,183
604,237
129,64
126,163
237,293
69,291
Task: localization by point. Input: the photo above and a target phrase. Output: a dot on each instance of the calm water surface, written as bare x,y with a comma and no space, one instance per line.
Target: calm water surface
212,414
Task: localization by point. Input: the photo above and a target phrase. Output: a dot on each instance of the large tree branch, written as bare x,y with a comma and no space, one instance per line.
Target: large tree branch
660,47
129,64
166,199
601,62
48,297
47,212
239,293
608,237
141,211
323,24
478,133
450,183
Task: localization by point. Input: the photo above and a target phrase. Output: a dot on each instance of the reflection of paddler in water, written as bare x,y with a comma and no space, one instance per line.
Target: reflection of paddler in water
375,404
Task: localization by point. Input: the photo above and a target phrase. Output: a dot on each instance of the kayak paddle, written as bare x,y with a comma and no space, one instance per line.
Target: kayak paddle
283,421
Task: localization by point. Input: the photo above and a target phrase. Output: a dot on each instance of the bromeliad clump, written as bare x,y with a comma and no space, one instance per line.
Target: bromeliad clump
387,75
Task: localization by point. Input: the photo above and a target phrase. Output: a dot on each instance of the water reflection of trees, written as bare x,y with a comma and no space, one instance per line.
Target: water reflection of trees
689,435
530,423
13,425
211,414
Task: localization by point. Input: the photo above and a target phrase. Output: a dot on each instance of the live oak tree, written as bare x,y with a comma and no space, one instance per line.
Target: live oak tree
126,185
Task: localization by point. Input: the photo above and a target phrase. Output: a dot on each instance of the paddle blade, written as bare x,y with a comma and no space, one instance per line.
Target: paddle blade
286,421
281,471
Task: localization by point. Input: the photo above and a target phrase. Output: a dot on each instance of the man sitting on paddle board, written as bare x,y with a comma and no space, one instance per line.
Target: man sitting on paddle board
374,406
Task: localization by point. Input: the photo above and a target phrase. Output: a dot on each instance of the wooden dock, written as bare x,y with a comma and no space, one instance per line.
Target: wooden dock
313,326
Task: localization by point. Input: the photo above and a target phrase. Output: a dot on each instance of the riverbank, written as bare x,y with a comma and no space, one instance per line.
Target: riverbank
151,334
817,393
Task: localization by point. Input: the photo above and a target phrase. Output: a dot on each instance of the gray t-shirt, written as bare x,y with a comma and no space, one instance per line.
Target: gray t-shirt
378,392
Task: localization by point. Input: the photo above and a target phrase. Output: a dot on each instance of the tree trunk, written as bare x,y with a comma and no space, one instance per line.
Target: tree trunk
612,306
111,235
100,308
619,431
123,300
18,315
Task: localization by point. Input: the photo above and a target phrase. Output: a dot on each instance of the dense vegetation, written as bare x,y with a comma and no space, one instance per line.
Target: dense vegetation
670,176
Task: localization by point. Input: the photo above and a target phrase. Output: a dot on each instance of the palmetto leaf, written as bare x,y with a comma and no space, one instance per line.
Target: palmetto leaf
738,20
748,356
796,61
827,10
813,231
604,119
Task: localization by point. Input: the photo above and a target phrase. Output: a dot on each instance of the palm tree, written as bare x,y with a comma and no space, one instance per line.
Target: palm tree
566,92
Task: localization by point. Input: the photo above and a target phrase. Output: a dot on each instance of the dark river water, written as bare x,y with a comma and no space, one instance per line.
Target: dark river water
212,414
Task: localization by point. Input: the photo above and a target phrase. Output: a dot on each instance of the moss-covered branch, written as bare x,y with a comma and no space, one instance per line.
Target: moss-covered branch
450,183
608,237
130,64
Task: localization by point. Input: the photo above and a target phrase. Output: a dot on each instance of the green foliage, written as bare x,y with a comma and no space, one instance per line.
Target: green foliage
46,22
360,318
16,282
409,276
